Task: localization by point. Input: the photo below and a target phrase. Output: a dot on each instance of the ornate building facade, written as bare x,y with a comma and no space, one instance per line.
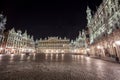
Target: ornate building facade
105,20
16,42
79,44
104,28
2,27
53,45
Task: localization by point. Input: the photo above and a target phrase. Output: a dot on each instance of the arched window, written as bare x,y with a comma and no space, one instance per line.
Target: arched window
0,31
108,14
118,2
101,21
116,25
112,10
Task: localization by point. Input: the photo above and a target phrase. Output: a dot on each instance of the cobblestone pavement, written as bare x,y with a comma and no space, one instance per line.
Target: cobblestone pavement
56,67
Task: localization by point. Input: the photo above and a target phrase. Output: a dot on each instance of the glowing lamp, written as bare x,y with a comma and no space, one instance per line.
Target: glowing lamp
117,42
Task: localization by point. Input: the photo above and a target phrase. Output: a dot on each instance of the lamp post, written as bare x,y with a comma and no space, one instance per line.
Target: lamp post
101,50
88,51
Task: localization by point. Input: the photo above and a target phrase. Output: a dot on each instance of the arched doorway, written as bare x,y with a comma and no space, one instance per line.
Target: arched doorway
116,55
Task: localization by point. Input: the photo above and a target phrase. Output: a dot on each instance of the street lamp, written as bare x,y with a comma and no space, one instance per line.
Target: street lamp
62,51
1,49
101,48
88,49
47,51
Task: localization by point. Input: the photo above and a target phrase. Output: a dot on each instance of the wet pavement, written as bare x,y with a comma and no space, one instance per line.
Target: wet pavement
56,67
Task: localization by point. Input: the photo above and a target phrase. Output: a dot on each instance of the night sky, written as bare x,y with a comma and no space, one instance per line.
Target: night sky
47,18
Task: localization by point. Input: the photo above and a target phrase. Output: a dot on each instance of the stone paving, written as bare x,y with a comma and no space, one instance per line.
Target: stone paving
56,67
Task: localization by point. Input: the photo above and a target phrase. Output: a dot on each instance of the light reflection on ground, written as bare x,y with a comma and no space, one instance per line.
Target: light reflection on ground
56,67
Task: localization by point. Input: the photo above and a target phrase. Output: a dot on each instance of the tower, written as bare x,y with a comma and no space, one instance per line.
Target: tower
89,15
25,34
89,18
2,27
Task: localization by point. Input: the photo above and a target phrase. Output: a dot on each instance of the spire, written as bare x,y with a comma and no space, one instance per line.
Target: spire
2,21
1,15
32,37
79,33
89,15
12,30
36,41
104,1
26,31
28,36
83,32
40,39
25,34
65,38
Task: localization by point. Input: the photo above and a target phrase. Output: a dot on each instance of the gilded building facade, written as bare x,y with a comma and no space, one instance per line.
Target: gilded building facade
104,28
18,42
53,45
